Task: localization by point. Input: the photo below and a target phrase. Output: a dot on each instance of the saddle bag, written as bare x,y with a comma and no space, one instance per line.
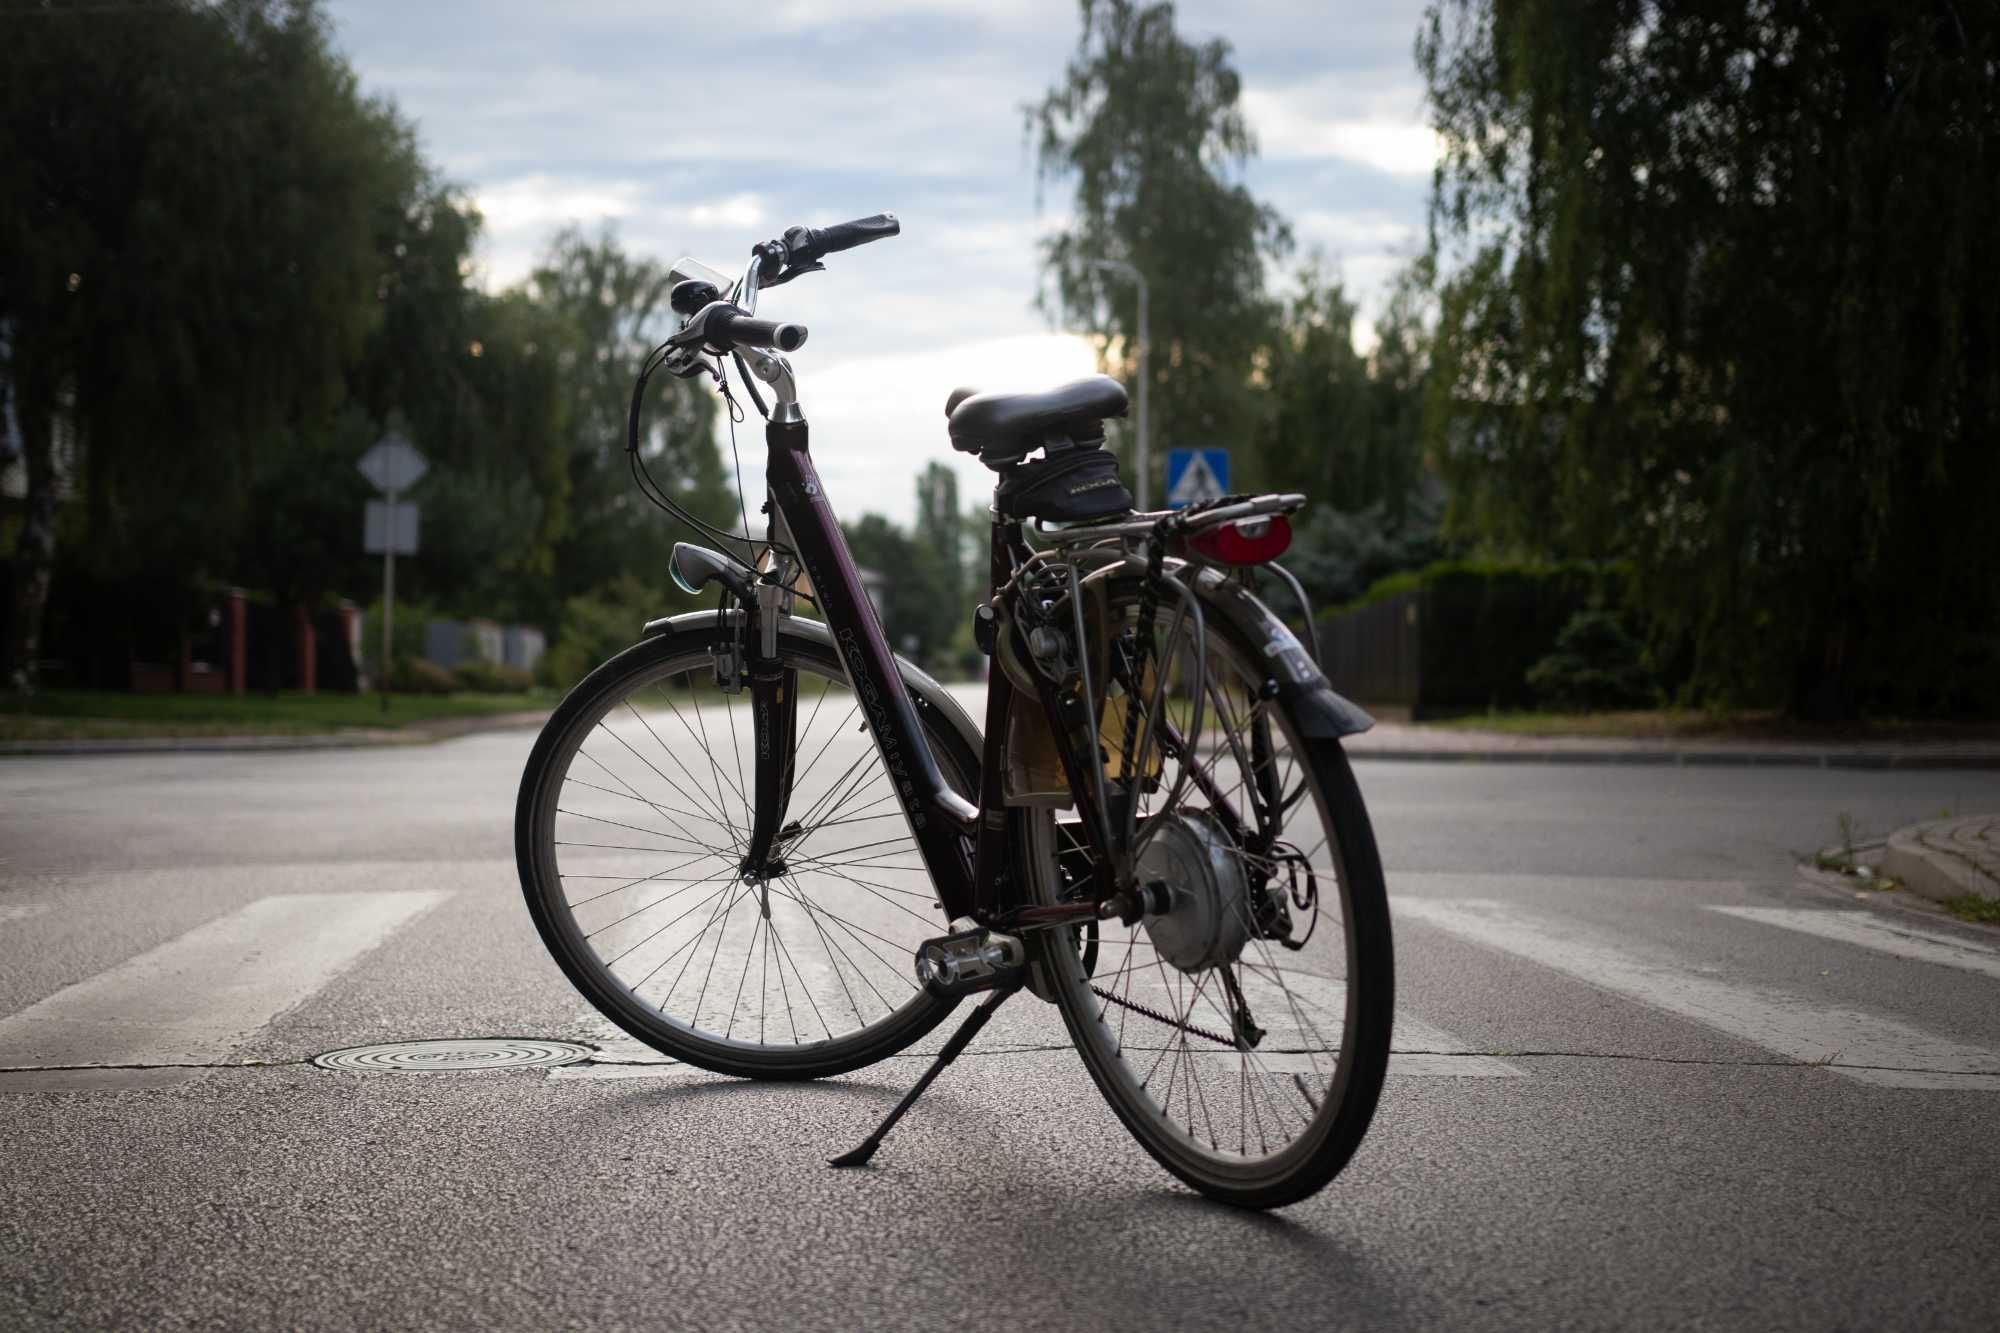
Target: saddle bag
1077,484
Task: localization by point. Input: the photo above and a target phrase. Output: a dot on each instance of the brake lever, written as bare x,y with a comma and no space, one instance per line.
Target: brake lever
794,271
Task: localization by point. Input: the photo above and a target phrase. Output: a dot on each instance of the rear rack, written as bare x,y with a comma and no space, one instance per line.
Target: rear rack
1173,520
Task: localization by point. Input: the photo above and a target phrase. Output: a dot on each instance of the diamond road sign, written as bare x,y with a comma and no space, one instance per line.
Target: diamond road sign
1196,475
393,464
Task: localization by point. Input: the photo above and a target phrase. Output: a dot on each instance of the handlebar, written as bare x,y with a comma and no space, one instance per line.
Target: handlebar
729,327
799,251
803,245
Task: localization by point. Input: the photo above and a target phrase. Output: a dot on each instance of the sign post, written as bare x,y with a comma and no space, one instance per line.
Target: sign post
393,465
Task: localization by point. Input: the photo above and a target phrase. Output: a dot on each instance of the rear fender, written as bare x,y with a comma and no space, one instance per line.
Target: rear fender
1321,712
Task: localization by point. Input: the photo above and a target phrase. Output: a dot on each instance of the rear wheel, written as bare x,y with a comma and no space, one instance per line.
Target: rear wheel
631,832
1246,1066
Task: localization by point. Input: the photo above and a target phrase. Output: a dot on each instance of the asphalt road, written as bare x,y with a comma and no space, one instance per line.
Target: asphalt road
1647,1077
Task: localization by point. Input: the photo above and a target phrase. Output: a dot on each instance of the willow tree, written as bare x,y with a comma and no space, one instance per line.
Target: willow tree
1148,127
1725,307
189,214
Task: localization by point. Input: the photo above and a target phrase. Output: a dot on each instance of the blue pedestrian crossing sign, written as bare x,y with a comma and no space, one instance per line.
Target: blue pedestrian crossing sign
1196,475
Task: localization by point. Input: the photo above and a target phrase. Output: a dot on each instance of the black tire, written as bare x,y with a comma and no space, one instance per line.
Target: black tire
1112,1035
862,957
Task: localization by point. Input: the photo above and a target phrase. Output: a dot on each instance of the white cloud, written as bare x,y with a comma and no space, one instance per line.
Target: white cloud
545,201
1290,125
605,114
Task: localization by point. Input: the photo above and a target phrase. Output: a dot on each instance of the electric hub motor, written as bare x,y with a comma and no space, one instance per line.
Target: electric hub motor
1208,920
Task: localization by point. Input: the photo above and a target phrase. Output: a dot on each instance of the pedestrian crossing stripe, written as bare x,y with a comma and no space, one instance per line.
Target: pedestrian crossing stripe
194,999
1847,1042
1870,930
190,1002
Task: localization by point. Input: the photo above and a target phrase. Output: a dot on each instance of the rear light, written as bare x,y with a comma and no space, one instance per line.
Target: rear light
1245,541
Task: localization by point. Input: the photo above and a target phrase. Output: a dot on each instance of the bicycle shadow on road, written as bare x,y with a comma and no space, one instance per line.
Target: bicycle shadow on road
1149,1248
685,1086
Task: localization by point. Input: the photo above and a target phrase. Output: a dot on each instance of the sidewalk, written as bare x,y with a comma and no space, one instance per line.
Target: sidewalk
1947,858
1408,741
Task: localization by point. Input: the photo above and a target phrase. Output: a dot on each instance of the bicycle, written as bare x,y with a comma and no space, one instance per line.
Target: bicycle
1157,830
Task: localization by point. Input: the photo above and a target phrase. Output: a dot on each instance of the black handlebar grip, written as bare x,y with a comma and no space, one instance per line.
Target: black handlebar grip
805,244
743,331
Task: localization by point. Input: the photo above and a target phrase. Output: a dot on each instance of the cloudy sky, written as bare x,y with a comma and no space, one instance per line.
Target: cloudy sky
701,129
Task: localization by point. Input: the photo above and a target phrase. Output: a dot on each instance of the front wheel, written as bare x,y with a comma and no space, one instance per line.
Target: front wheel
631,832
1241,1030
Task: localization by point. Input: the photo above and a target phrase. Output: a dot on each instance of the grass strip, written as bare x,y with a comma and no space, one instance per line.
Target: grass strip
87,714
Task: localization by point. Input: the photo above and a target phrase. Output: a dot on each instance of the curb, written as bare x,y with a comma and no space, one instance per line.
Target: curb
1947,858
1896,759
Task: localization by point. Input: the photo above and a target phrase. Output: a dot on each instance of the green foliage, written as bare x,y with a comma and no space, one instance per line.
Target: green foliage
941,540
1344,429
420,675
918,614
1338,555
1597,664
614,308
1974,908
596,626
406,633
491,678
1486,624
1149,127
1729,310
1460,635
65,714
176,308
224,273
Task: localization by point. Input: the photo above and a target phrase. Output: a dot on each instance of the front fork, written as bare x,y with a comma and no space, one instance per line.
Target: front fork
774,712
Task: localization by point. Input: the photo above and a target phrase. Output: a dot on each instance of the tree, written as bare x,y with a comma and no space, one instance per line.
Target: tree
615,306
1148,126
189,204
1728,308
1319,434
941,541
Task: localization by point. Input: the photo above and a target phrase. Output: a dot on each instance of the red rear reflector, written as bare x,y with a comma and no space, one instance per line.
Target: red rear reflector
1246,541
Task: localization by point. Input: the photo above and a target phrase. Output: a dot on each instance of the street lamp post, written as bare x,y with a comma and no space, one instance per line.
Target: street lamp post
1139,280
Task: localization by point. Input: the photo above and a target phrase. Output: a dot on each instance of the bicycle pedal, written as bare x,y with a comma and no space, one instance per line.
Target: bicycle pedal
968,961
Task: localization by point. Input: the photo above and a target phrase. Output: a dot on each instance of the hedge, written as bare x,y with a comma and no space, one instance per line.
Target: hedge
1477,626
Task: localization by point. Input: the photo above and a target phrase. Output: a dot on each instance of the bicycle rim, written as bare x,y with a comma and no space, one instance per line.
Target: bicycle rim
633,823
1252,1079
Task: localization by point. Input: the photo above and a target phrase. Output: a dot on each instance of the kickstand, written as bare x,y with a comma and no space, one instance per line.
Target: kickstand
952,1050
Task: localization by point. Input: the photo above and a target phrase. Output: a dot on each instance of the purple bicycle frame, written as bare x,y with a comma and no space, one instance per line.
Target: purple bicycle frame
940,819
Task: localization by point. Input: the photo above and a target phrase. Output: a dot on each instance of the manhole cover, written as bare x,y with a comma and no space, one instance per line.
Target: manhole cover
459,1055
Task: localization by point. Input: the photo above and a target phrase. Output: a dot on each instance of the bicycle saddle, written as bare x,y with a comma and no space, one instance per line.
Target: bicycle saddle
1003,428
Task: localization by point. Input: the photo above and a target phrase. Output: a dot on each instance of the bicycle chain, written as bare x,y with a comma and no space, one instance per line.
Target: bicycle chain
1159,1017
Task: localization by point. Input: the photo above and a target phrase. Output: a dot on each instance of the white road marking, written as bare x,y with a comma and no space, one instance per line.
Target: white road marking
1855,1045
1418,1050
197,997
21,911
1872,931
